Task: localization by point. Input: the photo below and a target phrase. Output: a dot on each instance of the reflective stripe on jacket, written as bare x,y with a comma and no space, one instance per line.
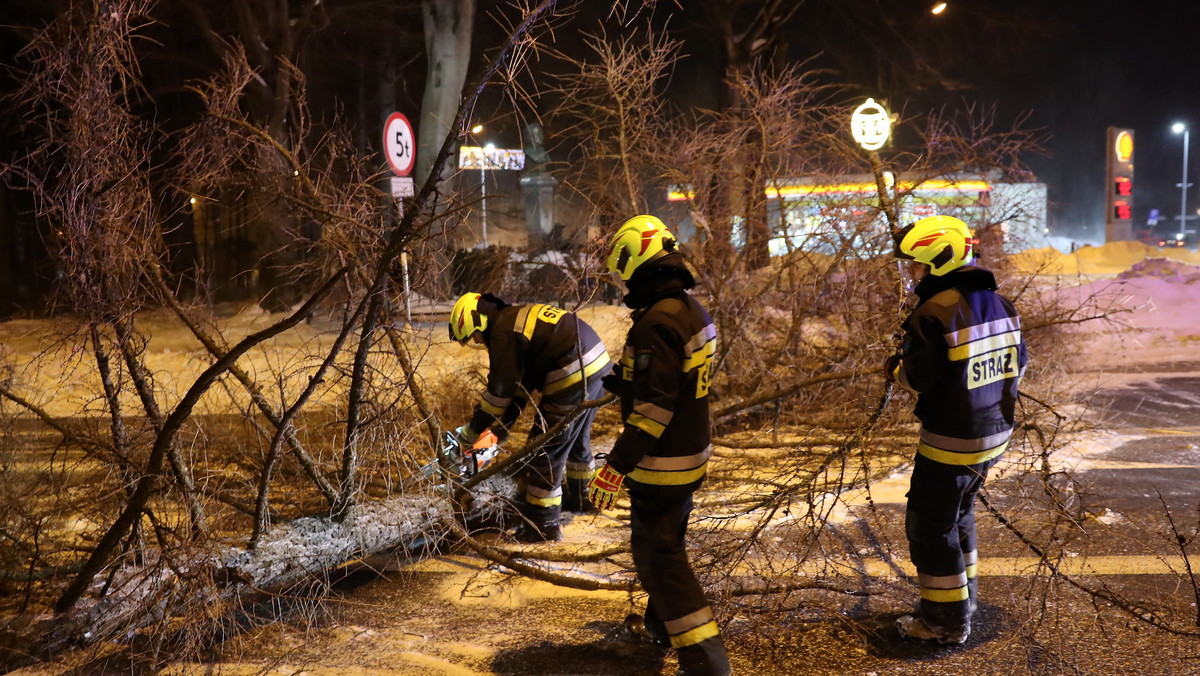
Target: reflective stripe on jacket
665,370
964,356
537,348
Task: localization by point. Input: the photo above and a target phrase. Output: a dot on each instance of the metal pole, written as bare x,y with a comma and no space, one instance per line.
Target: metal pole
407,295
483,201
1183,189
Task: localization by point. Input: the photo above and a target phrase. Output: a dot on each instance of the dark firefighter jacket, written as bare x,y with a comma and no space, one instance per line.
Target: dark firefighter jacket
964,356
665,373
532,348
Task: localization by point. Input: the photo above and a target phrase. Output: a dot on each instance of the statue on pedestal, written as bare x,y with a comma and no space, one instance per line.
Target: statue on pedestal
537,184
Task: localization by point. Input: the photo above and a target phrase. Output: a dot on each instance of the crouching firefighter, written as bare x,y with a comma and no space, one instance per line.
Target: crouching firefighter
963,356
662,452
536,348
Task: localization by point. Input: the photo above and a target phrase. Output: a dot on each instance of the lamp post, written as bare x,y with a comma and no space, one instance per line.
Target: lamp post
1180,127
483,188
475,131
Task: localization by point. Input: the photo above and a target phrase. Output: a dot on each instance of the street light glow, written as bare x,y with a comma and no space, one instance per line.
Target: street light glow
476,129
939,8
1180,127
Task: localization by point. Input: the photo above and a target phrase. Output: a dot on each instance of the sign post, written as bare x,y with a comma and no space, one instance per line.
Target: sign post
399,145
1118,217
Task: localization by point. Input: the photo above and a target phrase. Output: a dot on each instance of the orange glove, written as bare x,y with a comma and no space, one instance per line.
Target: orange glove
603,488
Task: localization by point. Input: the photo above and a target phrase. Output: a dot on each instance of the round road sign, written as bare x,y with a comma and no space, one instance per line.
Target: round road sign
399,144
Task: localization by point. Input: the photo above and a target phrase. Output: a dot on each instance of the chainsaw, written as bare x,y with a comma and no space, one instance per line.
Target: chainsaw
466,462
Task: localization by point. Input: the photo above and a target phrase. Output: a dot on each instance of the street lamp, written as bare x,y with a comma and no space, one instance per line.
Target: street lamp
487,154
1179,127
476,130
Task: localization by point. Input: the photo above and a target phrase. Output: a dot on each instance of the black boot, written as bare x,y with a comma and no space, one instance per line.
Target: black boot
575,497
654,632
706,658
528,533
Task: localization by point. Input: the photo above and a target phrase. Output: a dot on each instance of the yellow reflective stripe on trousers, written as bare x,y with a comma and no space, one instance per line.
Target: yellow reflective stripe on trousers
694,636
953,458
543,497
489,409
945,595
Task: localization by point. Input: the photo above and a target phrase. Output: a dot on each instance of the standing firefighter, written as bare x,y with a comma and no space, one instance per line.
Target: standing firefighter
963,356
662,452
531,348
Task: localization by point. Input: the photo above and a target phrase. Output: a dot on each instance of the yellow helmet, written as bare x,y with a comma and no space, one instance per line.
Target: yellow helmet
465,318
639,240
942,242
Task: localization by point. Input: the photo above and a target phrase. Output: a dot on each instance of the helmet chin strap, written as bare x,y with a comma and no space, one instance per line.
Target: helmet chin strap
621,283
475,342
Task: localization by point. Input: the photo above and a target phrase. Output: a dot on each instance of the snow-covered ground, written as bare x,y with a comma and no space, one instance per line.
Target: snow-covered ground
469,605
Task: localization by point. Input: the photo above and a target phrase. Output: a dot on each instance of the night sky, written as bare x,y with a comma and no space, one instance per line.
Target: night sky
1079,67
1073,67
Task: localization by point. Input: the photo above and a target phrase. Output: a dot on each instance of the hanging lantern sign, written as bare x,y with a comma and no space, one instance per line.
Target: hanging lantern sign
870,125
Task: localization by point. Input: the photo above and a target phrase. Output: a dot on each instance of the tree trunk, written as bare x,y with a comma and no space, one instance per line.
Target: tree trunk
448,28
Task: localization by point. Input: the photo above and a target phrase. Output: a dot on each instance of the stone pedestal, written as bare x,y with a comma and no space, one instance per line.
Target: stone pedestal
539,203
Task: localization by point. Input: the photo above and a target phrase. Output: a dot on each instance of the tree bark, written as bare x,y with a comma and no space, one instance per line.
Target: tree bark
449,25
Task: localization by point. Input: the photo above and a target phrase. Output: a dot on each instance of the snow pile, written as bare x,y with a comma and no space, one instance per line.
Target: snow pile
1152,300
1110,259
1163,268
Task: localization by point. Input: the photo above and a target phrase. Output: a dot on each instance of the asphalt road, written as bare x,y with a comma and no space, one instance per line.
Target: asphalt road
1122,603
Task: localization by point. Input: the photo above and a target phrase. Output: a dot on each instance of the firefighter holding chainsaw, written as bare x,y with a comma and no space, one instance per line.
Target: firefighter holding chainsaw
535,348
963,356
662,452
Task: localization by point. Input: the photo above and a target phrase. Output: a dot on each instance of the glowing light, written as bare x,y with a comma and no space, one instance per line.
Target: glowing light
870,125
1178,127
476,129
939,8
786,191
1124,147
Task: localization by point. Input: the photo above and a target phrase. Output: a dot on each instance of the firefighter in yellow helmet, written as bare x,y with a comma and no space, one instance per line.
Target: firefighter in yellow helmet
963,356
536,348
662,452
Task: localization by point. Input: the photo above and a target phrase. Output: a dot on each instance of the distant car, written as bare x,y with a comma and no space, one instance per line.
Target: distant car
1174,242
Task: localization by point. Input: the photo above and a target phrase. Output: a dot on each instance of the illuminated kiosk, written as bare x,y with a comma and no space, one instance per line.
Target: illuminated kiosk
812,214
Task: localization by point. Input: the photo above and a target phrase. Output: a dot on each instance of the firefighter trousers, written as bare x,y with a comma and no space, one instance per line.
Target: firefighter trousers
676,605
568,454
940,525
